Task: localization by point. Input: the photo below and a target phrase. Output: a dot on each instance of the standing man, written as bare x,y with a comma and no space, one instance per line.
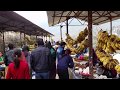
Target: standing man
9,56
41,61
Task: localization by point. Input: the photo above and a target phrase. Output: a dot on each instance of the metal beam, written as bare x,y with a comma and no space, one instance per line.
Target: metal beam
60,17
101,16
61,32
53,18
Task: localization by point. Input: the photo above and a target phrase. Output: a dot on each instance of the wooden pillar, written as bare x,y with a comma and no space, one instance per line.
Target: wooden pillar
3,42
61,32
90,43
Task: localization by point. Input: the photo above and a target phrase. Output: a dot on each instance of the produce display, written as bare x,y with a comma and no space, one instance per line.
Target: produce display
107,45
117,68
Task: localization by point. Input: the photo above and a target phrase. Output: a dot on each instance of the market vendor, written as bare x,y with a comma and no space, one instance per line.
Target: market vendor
1,62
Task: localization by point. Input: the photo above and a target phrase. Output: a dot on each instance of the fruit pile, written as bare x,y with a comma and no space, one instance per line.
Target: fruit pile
107,59
80,42
108,44
117,68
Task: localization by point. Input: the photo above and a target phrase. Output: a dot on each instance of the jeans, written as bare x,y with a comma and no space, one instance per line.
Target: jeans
44,75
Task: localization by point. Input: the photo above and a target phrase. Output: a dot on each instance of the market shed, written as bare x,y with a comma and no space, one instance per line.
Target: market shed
92,17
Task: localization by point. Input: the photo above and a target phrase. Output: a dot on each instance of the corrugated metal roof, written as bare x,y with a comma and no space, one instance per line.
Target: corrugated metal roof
98,17
12,21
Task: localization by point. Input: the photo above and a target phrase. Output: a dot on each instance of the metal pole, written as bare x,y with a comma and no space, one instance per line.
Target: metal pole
110,25
61,32
49,38
20,40
46,37
36,37
67,25
90,43
24,36
3,42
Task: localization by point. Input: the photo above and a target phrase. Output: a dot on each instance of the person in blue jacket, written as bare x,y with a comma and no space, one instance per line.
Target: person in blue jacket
60,49
64,63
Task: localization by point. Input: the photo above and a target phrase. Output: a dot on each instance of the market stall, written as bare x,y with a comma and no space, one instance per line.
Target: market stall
93,18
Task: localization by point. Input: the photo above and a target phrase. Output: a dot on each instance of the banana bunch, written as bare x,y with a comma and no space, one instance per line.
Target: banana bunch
82,35
112,64
82,46
70,40
101,54
103,36
109,49
117,68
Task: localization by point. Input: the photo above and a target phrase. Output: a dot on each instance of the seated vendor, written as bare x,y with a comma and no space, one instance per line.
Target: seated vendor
1,62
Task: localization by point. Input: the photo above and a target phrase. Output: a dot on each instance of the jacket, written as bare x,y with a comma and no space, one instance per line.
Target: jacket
21,73
9,57
65,62
59,52
40,59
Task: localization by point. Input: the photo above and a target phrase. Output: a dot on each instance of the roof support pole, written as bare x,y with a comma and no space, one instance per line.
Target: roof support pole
67,24
24,39
36,37
61,32
3,42
24,36
20,40
110,25
43,38
49,37
90,43
46,37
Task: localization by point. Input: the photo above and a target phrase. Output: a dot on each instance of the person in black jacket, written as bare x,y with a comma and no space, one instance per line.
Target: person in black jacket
41,61
53,60
9,54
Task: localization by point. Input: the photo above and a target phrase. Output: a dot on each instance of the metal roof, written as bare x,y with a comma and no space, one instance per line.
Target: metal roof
11,21
98,17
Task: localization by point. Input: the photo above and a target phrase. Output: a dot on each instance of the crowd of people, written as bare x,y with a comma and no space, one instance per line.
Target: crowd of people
46,60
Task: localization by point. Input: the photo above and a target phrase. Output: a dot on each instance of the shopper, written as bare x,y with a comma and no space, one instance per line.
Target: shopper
53,61
19,68
26,53
60,50
9,55
41,61
64,63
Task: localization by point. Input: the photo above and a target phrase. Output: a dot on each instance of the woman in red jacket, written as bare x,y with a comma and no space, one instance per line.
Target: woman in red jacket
19,68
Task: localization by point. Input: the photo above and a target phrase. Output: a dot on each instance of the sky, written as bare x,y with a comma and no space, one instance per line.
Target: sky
40,18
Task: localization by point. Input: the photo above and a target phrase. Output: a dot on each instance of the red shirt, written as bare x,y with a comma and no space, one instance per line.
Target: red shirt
21,73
